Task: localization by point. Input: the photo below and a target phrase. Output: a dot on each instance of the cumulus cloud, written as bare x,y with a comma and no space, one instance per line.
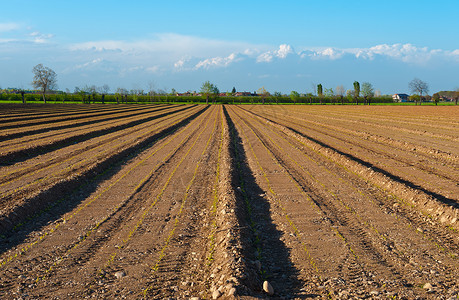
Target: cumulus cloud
179,64
455,55
184,53
326,53
283,51
176,57
217,61
407,53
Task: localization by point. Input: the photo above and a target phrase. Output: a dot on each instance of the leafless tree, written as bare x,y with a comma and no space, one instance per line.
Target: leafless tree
339,91
44,78
151,90
263,94
417,86
105,89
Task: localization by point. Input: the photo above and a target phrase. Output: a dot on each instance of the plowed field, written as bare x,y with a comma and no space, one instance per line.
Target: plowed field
181,201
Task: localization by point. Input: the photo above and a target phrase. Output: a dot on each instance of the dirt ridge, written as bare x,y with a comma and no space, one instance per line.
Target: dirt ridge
445,213
29,206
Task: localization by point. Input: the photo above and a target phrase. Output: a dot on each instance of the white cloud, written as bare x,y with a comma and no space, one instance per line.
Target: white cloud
251,51
326,53
217,61
99,46
177,57
172,45
179,64
283,51
183,63
153,69
43,38
88,64
184,53
265,57
404,52
455,55
5,27
332,53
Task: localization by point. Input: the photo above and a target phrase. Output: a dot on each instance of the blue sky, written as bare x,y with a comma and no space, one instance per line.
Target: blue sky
281,45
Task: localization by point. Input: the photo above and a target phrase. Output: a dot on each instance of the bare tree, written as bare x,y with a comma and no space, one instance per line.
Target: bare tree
151,89
417,86
263,94
44,78
339,91
121,93
105,89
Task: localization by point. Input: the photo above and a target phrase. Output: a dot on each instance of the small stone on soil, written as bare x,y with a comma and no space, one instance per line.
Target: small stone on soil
267,287
427,286
120,274
216,294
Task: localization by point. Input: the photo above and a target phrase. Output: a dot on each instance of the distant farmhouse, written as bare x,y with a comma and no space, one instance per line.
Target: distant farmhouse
446,95
400,97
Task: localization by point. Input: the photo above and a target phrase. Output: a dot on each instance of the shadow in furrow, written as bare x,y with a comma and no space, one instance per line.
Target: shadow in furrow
439,197
63,117
25,154
109,116
261,240
52,204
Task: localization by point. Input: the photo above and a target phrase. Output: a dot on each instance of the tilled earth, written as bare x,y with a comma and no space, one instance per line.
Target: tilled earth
182,201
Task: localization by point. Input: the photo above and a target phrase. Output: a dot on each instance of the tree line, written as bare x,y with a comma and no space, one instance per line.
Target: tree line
45,80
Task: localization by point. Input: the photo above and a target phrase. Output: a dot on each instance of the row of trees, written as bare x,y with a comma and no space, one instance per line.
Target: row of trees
268,98
45,79
367,91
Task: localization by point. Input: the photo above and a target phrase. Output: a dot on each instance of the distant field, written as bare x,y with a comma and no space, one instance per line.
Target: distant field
174,200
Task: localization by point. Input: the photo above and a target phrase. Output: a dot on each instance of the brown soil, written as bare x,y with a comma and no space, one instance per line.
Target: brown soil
211,201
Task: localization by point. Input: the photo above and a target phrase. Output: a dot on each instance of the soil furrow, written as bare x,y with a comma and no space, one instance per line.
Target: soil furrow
72,160
72,139
18,213
378,249
326,202
64,117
